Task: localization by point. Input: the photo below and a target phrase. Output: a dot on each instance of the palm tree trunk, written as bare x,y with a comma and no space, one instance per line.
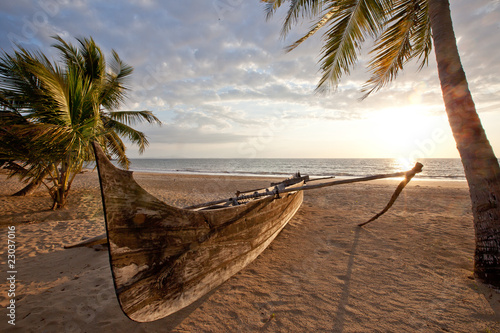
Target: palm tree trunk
60,191
481,167
28,189
33,185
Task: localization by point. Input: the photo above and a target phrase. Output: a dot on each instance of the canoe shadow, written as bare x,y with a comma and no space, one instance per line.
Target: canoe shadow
171,322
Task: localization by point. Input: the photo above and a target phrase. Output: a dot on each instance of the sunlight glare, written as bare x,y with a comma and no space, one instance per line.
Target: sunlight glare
400,128
402,164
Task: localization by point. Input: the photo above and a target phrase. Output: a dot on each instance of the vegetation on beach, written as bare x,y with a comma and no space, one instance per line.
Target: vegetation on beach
405,30
50,113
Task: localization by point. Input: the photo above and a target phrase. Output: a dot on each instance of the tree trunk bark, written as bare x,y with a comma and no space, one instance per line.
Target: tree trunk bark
32,186
481,167
28,189
60,191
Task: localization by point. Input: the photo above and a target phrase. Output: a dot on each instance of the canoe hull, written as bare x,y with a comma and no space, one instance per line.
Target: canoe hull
164,258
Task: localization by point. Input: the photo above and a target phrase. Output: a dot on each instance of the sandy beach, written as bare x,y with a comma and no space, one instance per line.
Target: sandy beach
409,271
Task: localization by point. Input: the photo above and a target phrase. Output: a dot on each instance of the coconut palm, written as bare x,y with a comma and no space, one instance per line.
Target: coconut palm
405,30
64,108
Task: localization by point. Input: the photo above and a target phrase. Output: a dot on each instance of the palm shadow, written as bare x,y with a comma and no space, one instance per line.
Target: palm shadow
344,296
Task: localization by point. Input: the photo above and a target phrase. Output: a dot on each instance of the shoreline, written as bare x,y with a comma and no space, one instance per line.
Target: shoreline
277,176
411,270
348,168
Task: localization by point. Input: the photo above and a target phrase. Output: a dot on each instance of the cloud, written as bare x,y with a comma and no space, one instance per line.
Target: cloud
215,71
174,134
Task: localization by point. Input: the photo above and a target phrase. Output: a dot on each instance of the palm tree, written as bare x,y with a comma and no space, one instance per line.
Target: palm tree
63,109
406,30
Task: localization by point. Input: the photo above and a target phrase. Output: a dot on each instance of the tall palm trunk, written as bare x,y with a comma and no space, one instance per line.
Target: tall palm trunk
480,164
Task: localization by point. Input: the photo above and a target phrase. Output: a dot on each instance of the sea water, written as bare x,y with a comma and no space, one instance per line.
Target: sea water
450,169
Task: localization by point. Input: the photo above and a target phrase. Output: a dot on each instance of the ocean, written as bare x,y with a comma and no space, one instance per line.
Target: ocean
442,169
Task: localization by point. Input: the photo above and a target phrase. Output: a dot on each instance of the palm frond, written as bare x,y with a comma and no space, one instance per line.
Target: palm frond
134,117
113,91
46,140
53,80
407,36
351,22
297,9
34,144
115,147
69,53
19,85
9,115
272,6
320,24
120,68
94,61
133,135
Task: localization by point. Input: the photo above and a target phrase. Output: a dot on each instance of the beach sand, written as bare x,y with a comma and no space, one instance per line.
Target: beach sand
409,271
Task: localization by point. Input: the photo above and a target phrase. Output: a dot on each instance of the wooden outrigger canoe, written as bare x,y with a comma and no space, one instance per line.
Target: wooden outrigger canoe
164,258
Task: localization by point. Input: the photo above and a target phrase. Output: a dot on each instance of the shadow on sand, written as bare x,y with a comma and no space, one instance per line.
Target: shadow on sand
344,296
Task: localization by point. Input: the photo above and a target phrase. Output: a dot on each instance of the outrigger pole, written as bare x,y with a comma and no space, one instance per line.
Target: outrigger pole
277,190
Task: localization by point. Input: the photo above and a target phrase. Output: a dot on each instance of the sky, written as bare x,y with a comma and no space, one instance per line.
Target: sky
215,72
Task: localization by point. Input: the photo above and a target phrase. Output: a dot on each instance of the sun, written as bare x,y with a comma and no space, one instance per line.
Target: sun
403,164
400,128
